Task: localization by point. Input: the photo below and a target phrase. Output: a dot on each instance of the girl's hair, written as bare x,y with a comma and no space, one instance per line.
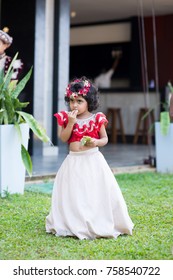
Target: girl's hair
90,93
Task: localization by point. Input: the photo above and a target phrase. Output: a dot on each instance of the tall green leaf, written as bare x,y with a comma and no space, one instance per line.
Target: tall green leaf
24,153
9,108
170,87
1,115
17,127
35,126
164,122
20,86
26,160
1,76
19,105
10,67
8,80
12,85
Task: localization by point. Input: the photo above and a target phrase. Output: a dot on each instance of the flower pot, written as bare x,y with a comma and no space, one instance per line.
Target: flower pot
164,149
12,170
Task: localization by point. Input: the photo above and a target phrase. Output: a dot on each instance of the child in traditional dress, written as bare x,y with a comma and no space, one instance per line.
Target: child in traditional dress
86,200
5,60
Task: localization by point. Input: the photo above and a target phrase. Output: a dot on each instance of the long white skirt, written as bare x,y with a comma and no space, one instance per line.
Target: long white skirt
86,199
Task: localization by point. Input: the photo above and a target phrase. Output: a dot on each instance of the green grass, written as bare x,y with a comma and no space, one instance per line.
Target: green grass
149,197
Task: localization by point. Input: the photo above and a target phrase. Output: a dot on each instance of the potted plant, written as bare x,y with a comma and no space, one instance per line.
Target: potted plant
14,133
163,135
164,138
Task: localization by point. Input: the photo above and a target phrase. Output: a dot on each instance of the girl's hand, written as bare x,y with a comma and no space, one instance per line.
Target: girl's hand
72,116
92,143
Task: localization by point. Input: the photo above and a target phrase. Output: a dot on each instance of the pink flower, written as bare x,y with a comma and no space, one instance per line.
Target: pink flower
82,91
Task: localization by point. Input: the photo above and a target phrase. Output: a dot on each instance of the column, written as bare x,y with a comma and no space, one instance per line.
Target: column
51,65
61,57
39,66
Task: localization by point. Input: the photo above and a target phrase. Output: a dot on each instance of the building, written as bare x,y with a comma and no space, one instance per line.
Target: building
43,33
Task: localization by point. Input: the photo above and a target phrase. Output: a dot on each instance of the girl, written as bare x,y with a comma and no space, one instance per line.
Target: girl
86,199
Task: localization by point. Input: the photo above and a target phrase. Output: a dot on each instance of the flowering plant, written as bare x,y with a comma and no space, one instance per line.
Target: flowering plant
83,91
11,109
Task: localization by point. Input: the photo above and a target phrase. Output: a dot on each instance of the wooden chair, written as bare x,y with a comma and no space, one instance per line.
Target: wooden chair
114,117
143,126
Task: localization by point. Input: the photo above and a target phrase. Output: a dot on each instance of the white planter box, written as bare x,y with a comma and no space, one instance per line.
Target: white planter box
12,170
164,149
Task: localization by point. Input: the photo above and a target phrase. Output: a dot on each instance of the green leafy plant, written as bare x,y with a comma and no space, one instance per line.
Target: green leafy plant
11,110
164,115
6,193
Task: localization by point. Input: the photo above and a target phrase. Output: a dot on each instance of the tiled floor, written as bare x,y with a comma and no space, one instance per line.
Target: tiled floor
117,155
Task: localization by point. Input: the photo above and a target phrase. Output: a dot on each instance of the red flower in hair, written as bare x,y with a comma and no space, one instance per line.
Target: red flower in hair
82,91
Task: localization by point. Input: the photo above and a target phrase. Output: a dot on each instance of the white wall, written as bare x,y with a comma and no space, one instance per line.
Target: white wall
130,103
100,34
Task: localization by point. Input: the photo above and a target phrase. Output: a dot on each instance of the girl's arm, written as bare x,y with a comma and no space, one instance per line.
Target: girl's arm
103,137
65,133
99,142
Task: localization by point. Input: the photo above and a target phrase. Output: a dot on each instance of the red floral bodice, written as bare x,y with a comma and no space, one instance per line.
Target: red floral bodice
83,127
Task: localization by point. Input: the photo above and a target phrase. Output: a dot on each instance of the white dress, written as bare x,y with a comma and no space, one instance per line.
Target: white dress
86,200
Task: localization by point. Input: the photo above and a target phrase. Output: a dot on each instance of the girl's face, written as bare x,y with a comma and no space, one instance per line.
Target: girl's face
80,104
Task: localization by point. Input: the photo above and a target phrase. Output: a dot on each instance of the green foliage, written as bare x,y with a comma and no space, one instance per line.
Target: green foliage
170,87
164,116
6,193
21,85
11,109
164,122
26,160
35,127
149,197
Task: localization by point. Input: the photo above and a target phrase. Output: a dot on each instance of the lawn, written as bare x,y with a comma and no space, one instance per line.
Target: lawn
149,197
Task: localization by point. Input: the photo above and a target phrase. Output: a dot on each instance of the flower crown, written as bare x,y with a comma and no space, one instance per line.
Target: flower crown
83,91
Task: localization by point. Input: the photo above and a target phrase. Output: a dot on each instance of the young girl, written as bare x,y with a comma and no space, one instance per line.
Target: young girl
86,200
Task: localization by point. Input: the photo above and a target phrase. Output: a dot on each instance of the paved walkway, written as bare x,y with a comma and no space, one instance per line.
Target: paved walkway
121,158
